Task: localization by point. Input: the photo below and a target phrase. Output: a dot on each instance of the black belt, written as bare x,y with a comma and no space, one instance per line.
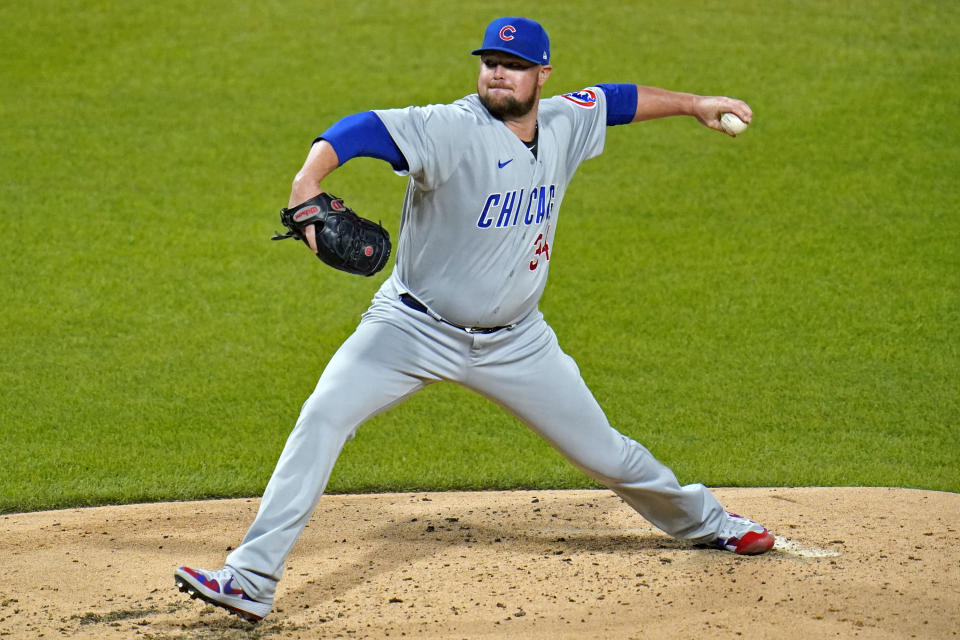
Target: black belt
415,304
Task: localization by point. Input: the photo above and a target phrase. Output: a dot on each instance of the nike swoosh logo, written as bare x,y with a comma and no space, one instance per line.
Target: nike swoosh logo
230,590
501,165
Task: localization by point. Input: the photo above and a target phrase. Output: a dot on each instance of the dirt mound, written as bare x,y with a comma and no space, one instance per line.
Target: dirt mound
871,563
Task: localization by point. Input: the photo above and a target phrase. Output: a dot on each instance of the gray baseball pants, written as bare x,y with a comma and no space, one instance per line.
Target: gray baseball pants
394,352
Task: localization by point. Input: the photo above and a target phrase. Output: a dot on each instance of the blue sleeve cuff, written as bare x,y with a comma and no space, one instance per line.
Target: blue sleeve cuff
621,102
364,134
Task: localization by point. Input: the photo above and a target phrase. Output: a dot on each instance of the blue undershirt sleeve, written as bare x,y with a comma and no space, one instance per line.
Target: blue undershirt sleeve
621,102
364,134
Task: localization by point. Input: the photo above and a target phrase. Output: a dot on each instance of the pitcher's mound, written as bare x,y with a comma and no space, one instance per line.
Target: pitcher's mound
871,563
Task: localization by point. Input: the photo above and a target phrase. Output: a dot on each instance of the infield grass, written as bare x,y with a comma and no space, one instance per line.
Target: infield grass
778,309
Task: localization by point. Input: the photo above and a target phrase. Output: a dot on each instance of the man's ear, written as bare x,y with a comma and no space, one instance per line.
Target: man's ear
544,74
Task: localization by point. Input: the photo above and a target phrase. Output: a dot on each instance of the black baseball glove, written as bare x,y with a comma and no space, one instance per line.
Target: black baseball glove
345,241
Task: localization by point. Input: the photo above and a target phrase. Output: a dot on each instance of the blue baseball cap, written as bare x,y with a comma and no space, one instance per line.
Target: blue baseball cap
521,37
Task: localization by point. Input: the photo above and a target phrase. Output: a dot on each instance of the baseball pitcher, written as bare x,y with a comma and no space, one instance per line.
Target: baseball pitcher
486,179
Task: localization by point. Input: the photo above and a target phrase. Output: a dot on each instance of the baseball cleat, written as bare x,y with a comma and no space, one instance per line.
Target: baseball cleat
217,588
744,536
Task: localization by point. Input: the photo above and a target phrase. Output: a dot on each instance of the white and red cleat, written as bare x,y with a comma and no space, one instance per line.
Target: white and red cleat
744,536
217,588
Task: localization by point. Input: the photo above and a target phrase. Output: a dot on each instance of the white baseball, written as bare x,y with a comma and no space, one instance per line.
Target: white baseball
732,124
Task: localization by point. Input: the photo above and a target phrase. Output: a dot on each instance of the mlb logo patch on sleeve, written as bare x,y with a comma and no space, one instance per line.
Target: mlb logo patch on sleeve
585,98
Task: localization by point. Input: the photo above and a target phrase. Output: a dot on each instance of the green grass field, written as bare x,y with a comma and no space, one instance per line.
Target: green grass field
778,309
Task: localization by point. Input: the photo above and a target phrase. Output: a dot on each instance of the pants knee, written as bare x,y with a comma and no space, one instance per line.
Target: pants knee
630,463
322,420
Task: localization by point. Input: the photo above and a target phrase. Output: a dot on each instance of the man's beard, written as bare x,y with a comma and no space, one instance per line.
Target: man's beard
510,107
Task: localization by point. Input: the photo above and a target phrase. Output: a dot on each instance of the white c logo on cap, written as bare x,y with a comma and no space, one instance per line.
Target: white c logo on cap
506,31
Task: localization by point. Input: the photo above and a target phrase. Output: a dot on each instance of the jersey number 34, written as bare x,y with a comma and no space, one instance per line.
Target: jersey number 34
542,248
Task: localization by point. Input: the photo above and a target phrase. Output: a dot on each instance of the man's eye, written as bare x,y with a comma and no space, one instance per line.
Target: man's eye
511,65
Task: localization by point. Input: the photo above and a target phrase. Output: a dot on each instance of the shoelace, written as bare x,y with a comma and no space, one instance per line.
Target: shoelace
737,526
222,576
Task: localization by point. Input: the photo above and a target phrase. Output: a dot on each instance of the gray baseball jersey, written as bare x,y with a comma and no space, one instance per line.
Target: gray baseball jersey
480,212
